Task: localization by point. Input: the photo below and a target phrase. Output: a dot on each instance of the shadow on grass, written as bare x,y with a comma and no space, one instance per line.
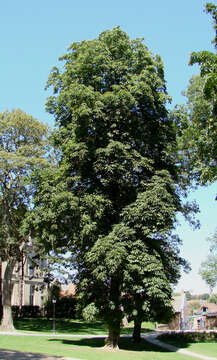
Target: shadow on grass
67,326
129,330
64,326
125,344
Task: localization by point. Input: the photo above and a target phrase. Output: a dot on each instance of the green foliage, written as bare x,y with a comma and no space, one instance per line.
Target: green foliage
54,291
65,307
90,312
182,338
204,296
22,149
194,306
206,134
113,198
189,296
213,298
196,130
26,311
208,269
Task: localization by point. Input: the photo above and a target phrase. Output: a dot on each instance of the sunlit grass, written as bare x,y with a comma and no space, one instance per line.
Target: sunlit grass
87,349
200,343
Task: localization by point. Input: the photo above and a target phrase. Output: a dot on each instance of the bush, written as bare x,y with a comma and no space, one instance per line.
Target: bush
26,311
189,337
64,308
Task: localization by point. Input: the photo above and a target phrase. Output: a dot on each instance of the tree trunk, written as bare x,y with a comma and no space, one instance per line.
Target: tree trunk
22,281
137,330
7,288
115,316
112,342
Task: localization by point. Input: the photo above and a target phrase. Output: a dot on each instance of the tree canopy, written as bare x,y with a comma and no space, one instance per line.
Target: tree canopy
22,150
208,269
207,126
196,140
113,198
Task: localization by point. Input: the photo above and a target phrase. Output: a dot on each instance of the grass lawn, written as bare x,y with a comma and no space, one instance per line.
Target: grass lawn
207,349
204,347
87,349
68,326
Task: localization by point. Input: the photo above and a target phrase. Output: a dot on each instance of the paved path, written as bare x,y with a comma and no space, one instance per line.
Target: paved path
150,337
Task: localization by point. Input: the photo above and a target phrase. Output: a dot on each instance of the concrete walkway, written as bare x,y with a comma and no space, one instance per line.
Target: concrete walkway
150,337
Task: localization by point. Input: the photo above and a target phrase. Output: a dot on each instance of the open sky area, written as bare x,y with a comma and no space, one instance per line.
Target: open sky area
34,34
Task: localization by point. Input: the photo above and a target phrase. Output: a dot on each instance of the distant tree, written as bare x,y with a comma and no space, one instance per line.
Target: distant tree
193,306
188,295
213,298
54,290
196,143
204,296
208,269
22,150
113,199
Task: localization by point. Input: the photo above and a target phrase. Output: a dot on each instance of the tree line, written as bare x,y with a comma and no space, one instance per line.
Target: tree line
107,183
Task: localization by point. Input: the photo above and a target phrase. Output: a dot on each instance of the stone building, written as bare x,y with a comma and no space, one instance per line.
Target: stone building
205,318
180,319
29,287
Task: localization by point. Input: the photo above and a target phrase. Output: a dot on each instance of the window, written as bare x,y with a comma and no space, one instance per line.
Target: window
31,269
31,294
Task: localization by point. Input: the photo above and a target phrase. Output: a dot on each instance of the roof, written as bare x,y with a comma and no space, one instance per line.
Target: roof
69,290
211,307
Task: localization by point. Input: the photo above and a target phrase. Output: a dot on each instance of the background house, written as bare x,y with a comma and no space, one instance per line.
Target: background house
205,317
180,320
29,286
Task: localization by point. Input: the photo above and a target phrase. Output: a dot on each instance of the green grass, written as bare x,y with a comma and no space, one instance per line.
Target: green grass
68,326
192,343
63,326
87,349
207,349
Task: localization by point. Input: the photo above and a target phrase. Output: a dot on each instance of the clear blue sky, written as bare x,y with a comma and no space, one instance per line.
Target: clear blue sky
35,33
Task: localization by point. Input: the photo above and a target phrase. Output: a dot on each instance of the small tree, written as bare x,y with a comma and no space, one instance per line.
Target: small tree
22,150
208,269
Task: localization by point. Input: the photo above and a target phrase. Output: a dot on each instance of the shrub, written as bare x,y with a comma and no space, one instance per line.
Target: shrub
64,308
189,337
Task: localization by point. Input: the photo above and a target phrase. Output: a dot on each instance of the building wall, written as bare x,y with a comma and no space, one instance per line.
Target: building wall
172,325
29,288
175,323
211,322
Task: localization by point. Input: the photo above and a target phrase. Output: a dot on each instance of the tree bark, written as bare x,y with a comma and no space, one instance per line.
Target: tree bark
137,330
7,288
114,319
112,342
